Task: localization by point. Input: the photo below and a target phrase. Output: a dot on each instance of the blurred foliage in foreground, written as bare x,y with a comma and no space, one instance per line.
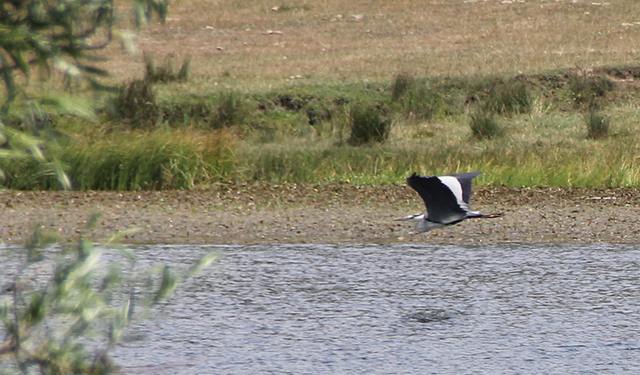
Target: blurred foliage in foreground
67,307
43,38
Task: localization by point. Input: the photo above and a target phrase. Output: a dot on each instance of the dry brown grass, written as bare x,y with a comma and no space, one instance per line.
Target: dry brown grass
238,43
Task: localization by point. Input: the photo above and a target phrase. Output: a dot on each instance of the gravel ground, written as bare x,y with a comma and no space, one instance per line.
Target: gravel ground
243,214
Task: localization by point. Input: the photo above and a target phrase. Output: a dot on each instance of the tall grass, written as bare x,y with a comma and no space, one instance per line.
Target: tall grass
425,98
302,135
180,160
402,84
505,162
132,161
136,104
161,160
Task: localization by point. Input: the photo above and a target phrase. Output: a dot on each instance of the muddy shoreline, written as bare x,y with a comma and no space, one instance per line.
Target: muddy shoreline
308,213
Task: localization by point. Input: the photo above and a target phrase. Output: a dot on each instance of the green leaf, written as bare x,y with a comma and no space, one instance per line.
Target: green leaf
126,37
22,140
66,68
74,106
139,9
167,286
12,154
82,270
20,62
205,261
93,70
113,277
127,253
93,219
37,308
63,178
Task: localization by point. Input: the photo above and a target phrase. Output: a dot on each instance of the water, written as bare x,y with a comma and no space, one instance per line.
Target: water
396,309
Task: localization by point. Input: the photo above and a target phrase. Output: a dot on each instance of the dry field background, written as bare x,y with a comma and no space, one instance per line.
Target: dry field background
253,44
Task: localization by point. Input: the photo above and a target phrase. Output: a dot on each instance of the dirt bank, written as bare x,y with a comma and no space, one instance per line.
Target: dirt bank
232,214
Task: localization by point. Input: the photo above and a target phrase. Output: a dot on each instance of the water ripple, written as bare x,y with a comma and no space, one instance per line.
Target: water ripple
389,309
404,309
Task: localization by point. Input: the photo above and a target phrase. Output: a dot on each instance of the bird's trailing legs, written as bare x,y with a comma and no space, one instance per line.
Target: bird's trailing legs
486,216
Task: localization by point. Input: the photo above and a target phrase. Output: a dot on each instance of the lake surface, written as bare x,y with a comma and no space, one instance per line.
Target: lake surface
389,309
395,309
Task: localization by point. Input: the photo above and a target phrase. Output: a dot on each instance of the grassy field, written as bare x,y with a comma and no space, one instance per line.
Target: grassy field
248,46
530,92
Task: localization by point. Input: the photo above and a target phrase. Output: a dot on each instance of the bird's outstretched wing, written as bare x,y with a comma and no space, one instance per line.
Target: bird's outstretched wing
442,205
465,181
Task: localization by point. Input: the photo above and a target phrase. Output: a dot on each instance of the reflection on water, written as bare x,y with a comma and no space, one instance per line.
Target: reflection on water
310,309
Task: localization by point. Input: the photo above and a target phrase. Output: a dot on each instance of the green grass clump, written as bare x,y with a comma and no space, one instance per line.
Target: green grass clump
368,124
484,125
135,103
137,106
230,111
588,90
165,72
509,97
422,98
402,84
423,102
597,125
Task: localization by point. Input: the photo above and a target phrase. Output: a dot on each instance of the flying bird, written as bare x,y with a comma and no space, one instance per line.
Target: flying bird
446,198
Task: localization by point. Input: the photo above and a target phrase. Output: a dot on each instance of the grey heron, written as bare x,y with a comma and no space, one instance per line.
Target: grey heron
446,198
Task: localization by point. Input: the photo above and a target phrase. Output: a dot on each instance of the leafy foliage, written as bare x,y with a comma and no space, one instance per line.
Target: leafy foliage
52,35
71,314
60,35
144,10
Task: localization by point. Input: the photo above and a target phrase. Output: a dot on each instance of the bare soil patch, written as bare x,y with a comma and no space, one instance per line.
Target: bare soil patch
246,214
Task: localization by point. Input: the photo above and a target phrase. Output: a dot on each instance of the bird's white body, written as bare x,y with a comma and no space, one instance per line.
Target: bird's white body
456,188
446,199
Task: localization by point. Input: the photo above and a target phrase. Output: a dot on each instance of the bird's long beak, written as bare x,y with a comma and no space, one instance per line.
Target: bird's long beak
405,218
